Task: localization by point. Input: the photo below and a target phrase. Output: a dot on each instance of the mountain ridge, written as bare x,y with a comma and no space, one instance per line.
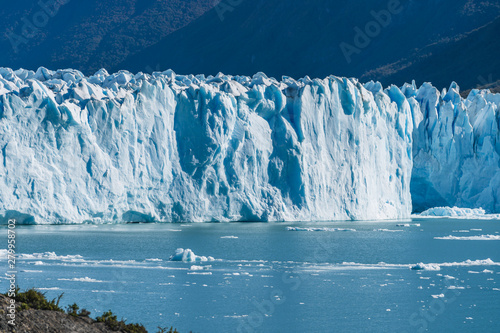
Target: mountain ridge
300,39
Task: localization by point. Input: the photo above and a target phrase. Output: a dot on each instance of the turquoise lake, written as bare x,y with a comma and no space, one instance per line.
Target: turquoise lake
349,277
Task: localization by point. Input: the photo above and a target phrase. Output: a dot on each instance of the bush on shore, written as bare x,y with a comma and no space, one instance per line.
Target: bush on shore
36,300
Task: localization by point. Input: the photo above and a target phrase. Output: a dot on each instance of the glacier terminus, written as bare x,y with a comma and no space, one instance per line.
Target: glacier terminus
179,148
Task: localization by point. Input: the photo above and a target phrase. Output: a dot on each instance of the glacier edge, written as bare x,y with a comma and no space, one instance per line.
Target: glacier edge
174,148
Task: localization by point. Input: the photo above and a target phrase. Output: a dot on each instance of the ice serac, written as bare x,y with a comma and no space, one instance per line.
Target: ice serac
166,147
456,150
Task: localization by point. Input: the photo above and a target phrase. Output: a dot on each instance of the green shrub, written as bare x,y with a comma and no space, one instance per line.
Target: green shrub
112,323
84,313
73,310
34,299
167,330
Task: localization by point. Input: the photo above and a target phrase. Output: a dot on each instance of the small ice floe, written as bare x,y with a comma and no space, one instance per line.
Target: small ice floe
49,256
84,279
31,271
459,213
188,255
486,271
479,237
407,225
196,268
229,237
387,230
454,212
199,268
318,229
425,267
50,288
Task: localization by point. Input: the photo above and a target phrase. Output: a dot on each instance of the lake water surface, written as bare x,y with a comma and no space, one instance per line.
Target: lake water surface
266,278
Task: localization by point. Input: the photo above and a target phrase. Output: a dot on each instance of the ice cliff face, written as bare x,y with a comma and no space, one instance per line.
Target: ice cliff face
456,149
166,147
124,147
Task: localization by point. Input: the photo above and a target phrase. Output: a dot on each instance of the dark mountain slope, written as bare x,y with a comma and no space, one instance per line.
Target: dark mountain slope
300,38
87,35
472,60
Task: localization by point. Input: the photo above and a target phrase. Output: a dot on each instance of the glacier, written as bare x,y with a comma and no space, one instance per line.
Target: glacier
456,149
126,147
166,147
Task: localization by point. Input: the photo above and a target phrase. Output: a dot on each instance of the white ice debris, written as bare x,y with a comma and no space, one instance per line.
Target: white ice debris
426,267
188,255
456,212
318,229
84,279
479,237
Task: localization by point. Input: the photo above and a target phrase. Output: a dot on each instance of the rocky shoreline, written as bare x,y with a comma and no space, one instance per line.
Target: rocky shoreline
49,318
46,321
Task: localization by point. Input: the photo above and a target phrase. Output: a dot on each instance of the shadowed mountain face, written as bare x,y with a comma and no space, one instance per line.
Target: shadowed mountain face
471,59
87,35
393,41
322,37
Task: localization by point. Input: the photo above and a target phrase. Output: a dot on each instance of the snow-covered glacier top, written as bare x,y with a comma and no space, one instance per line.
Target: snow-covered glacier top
167,147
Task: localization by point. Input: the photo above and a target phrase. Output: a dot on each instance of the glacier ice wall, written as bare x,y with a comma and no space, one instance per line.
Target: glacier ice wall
166,147
456,148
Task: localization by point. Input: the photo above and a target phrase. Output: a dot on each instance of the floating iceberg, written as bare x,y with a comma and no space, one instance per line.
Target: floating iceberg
188,255
407,225
455,211
426,267
477,213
